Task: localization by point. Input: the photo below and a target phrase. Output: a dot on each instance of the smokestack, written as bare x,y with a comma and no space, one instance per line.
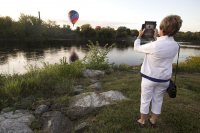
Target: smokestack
39,14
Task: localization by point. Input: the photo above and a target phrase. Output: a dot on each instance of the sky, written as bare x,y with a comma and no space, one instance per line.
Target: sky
112,13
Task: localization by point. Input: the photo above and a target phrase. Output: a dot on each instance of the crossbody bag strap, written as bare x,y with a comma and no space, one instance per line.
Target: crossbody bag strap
177,63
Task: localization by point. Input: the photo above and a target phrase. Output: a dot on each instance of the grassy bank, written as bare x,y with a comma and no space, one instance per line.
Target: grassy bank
178,115
181,114
53,84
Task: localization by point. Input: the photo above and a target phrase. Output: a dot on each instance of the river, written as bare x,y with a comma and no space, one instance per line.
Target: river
17,58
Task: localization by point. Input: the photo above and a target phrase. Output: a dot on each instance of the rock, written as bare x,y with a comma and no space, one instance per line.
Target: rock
56,122
8,109
41,109
109,71
80,128
16,122
96,86
113,96
93,73
93,99
77,112
56,106
93,81
78,89
25,103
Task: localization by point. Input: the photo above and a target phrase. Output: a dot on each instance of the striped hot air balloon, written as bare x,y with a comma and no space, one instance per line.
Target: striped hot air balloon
73,16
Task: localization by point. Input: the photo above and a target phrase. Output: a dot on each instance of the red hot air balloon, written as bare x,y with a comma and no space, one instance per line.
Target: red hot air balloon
73,16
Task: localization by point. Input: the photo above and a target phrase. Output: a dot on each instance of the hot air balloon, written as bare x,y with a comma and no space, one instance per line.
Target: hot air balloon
73,16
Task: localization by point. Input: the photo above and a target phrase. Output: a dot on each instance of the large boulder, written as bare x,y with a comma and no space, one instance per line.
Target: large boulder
56,122
93,73
78,89
77,112
41,109
80,128
93,99
16,122
96,86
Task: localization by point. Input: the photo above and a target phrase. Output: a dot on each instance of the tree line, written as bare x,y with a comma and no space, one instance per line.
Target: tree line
32,28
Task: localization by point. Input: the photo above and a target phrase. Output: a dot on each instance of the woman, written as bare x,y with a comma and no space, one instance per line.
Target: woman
156,69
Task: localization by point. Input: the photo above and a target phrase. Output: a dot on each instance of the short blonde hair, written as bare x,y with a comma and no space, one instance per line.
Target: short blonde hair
171,24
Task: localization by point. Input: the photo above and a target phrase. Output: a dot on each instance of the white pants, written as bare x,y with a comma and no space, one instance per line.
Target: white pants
152,92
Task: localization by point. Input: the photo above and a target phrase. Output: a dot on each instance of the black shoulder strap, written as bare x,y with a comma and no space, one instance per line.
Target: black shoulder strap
177,63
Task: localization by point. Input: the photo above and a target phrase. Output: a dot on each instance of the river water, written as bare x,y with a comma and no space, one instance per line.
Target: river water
17,58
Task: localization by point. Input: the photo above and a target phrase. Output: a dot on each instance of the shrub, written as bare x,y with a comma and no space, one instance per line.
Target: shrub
192,64
96,58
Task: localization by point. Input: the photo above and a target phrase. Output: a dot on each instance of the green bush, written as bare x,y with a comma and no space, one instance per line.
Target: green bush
96,58
192,64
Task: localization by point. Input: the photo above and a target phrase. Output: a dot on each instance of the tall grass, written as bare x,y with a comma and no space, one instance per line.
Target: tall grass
192,64
46,82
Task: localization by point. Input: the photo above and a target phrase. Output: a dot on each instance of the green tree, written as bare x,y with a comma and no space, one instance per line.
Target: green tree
87,31
6,27
30,26
122,32
106,33
134,33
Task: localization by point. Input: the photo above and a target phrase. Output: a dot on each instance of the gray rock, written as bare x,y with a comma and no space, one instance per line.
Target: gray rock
8,109
93,81
96,86
16,122
109,71
77,112
41,109
78,89
25,103
56,122
93,99
80,128
56,106
93,73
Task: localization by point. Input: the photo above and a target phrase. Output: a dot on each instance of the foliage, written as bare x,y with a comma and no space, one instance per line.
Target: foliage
188,36
122,67
134,32
96,57
105,33
6,27
87,31
192,64
46,82
32,28
123,32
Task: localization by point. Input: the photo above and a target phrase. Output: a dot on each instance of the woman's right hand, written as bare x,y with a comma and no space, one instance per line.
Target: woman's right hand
156,34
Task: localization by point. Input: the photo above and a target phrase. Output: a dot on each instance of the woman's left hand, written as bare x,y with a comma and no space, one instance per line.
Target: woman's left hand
141,32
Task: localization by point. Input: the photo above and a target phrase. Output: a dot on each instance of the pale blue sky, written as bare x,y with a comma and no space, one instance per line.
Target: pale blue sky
113,13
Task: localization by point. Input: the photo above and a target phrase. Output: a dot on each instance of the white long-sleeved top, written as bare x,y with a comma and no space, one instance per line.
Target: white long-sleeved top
159,57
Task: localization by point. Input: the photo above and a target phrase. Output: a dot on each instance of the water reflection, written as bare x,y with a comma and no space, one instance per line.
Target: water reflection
73,55
14,58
